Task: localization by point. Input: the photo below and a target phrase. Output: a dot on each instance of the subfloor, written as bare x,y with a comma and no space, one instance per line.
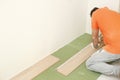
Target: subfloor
81,73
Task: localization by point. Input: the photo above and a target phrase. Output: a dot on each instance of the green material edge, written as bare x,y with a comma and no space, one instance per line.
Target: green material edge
64,53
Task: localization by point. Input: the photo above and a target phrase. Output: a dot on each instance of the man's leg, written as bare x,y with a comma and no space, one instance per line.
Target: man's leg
99,62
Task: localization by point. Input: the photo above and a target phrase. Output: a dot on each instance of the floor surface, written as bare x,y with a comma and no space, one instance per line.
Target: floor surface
81,73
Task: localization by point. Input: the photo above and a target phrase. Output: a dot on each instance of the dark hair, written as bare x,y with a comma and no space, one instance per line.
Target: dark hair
94,9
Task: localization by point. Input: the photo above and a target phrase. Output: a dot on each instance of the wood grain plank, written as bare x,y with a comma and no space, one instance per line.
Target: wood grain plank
71,64
36,69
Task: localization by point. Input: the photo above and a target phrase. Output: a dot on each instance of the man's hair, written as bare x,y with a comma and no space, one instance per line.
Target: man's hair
94,9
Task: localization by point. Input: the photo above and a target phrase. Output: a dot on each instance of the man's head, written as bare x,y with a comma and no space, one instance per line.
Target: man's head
94,9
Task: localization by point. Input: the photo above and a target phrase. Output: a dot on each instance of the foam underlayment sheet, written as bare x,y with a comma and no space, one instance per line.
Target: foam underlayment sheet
65,53
76,60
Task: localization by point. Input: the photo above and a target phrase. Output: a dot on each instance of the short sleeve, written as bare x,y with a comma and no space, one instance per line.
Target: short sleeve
94,22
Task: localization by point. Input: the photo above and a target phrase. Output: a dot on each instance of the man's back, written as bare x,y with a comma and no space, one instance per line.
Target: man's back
109,24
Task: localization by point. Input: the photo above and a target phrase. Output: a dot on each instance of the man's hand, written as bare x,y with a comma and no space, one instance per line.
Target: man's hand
98,42
101,42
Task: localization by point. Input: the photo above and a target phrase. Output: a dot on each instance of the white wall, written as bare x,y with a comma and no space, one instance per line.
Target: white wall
33,29
112,4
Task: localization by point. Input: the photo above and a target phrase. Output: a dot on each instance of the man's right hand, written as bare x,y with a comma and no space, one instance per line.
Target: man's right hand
95,43
98,42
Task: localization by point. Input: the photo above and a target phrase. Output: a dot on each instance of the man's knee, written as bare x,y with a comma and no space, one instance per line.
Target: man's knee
89,63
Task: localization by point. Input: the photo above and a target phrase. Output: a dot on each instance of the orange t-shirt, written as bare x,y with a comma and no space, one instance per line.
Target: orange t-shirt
108,22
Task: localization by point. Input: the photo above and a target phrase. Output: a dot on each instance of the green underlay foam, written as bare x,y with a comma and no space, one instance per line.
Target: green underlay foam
64,53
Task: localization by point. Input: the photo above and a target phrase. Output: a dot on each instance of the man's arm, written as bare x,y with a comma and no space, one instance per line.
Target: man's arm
95,37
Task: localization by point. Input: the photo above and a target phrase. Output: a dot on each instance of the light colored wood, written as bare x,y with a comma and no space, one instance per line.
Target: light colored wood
76,60
36,69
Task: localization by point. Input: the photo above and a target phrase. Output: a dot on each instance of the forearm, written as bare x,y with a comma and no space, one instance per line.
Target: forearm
95,38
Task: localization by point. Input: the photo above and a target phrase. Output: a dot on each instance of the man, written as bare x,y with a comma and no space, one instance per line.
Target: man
108,23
